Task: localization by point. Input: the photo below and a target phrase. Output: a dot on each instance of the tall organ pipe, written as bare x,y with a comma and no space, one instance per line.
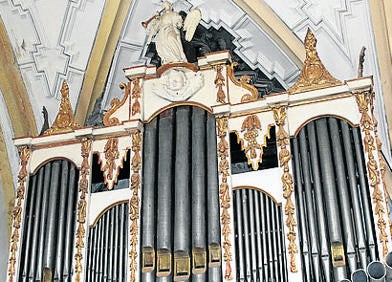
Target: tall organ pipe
213,223
69,228
330,193
164,202
51,230
44,207
252,231
199,239
357,210
264,228
344,197
28,230
37,222
181,185
259,231
148,202
62,208
311,214
302,213
319,201
368,222
240,232
245,221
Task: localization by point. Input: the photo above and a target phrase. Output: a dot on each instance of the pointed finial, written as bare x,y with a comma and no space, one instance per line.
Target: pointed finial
65,120
313,74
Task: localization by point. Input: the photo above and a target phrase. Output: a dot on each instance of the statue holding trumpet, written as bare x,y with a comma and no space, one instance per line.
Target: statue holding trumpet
164,27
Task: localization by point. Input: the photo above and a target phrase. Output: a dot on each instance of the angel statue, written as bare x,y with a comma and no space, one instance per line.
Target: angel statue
164,27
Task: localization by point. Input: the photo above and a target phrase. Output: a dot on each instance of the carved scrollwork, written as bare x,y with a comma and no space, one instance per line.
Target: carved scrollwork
369,124
136,92
16,213
287,182
82,207
134,202
219,83
224,192
253,94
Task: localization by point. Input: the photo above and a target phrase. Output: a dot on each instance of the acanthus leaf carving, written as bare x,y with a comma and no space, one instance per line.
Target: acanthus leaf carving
287,183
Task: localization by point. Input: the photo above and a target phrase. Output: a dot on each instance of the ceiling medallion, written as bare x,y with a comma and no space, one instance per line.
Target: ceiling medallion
65,119
313,75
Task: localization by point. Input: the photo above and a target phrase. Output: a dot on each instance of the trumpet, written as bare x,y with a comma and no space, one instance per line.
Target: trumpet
146,23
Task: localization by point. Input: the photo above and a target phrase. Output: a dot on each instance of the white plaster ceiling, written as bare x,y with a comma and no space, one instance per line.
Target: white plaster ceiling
53,40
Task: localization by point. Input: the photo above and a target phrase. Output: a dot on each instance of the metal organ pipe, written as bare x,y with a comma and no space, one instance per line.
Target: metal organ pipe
30,204
252,231
364,191
213,220
69,228
330,193
62,209
388,266
353,185
319,201
51,228
181,182
376,271
148,201
302,213
37,213
344,197
240,232
359,275
258,237
310,209
199,239
164,201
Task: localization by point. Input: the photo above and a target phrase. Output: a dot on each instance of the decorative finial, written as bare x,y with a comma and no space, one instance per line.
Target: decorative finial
313,74
65,120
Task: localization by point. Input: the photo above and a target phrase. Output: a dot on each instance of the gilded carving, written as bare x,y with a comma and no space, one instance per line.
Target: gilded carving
253,94
383,165
24,154
313,75
368,125
224,192
134,202
107,119
250,132
219,83
81,207
65,120
109,168
136,96
282,139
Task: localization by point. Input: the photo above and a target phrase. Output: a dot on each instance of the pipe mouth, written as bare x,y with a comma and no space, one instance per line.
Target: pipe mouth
359,275
345,280
388,260
376,270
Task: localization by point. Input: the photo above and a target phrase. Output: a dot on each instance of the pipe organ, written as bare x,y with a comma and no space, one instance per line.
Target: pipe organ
151,195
